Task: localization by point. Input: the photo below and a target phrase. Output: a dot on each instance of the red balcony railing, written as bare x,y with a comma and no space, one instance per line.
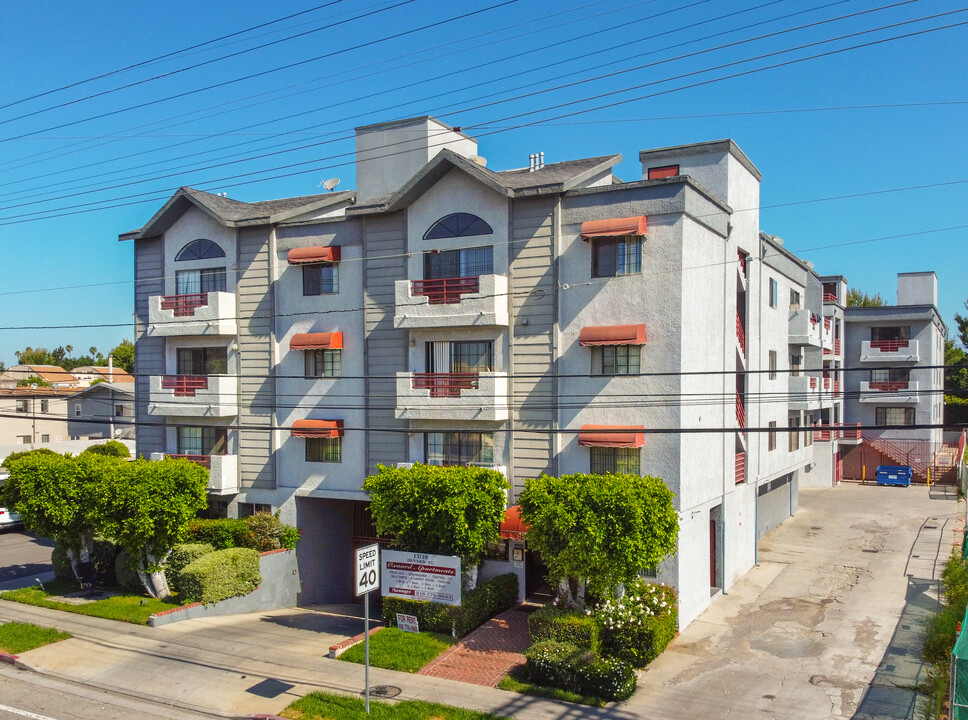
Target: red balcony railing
184,305
445,384
742,262
741,335
829,297
888,345
837,346
889,385
851,432
836,387
184,385
826,323
204,460
813,383
826,383
740,467
445,290
740,411
814,318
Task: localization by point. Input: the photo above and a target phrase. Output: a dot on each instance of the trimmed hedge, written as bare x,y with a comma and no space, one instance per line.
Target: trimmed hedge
477,607
566,666
571,626
219,575
104,556
112,448
181,557
261,532
12,457
643,644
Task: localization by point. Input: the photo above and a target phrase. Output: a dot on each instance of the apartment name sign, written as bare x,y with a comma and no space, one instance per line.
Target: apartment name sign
420,576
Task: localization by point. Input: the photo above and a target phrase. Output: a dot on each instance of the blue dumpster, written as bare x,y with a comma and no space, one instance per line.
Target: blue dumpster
894,475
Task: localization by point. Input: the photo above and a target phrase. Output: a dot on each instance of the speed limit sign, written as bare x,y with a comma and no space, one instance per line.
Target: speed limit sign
367,569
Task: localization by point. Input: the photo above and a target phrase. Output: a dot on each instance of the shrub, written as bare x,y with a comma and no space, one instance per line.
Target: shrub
550,623
289,537
267,531
220,533
556,664
112,448
221,574
103,557
607,678
640,625
477,607
127,576
182,556
24,453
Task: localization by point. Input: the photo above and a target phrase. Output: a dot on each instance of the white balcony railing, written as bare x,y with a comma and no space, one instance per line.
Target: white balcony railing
193,395
806,328
210,313
452,396
223,470
889,392
480,301
889,351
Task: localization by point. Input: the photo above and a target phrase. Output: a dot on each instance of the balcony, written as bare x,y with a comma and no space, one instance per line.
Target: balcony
740,335
223,471
452,396
740,467
452,302
805,328
193,395
804,393
892,392
196,314
740,413
844,433
889,351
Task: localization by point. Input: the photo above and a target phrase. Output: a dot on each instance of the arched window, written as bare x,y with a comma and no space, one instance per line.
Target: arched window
200,250
457,225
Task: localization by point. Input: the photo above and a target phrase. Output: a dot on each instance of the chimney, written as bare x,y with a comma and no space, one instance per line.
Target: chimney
917,288
110,368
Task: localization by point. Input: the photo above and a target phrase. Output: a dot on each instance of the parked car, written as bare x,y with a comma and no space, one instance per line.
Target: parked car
9,519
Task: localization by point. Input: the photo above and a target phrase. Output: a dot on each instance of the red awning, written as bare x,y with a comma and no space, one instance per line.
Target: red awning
629,436
611,228
612,335
317,428
299,256
513,527
317,341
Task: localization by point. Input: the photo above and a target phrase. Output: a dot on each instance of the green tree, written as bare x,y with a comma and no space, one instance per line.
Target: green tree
145,508
598,530
440,510
32,380
962,322
956,371
856,298
35,356
58,497
124,356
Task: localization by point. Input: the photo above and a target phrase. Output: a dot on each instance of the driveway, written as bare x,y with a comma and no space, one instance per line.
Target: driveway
23,557
828,625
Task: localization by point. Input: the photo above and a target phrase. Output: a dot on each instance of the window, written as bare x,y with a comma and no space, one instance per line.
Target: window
616,360
808,436
45,438
475,356
772,356
200,250
23,406
45,406
320,279
459,448
902,375
795,365
466,262
202,441
774,291
663,172
612,257
249,509
651,572
794,422
206,280
794,300
77,409
324,449
202,361
771,436
23,439
119,410
457,225
324,363
894,416
619,460
891,333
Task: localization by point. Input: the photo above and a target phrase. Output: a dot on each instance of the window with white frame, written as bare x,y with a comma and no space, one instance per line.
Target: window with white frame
324,363
772,360
794,422
616,360
459,448
617,460
614,256
894,416
320,278
22,405
774,292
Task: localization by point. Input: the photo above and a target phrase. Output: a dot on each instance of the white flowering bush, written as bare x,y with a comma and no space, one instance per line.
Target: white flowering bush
640,625
607,678
566,666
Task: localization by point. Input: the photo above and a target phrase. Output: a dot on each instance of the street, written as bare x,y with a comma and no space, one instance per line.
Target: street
22,556
25,694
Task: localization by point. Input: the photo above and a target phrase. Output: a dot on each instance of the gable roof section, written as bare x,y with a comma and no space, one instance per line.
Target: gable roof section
114,389
233,213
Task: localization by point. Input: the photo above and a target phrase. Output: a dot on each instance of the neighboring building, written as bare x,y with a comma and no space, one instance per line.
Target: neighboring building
87,374
102,410
57,377
545,319
33,416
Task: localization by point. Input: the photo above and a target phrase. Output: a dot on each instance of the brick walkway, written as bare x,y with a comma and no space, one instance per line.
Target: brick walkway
486,655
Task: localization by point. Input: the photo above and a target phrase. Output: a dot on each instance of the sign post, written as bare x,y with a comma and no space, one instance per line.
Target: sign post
367,580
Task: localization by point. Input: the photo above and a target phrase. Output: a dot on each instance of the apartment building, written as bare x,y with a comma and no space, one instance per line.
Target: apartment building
34,415
550,318
102,410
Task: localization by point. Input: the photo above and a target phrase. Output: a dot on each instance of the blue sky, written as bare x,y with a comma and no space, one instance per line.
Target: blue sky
888,116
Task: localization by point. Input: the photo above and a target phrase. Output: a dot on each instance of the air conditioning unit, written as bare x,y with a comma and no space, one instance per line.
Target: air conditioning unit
405,465
157,456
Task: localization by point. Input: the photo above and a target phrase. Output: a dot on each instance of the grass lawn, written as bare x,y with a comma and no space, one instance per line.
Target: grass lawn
17,637
126,608
325,706
516,682
394,649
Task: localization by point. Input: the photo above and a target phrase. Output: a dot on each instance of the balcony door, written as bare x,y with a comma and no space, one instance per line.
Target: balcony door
460,356
466,262
202,361
205,280
202,441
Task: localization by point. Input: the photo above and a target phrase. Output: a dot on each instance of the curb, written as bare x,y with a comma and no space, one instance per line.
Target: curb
9,659
339,648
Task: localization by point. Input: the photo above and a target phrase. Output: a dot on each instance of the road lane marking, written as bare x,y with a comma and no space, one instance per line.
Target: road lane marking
24,713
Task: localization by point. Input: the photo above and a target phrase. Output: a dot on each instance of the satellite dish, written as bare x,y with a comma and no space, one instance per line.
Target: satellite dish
330,184
480,160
